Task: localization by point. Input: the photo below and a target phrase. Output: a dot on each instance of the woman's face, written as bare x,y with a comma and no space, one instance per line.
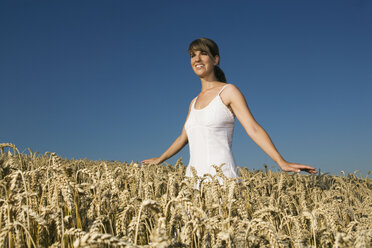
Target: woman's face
202,63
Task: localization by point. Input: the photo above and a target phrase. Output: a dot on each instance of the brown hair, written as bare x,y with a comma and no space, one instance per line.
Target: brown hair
210,47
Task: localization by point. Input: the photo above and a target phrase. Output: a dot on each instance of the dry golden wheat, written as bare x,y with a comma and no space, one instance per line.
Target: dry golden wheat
49,201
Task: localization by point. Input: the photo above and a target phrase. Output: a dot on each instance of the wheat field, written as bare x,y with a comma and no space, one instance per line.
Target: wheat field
49,201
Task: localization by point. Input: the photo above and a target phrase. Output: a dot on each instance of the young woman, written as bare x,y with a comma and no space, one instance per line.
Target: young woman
210,121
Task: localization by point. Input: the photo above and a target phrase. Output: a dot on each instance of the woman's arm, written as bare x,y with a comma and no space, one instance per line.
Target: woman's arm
177,145
234,98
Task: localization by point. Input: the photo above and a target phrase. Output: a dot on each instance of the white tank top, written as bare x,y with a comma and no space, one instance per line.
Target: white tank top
210,131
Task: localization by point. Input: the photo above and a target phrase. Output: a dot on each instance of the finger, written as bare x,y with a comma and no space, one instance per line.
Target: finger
292,169
312,171
304,167
308,167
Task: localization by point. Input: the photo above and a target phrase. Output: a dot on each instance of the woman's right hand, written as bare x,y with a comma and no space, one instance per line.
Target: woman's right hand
151,161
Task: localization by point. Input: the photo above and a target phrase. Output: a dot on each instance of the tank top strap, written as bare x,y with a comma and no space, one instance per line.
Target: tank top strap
222,88
193,102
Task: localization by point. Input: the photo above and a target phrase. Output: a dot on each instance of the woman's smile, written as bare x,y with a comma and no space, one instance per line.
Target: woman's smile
199,66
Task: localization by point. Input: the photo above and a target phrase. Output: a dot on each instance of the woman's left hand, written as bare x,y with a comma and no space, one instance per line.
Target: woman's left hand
288,166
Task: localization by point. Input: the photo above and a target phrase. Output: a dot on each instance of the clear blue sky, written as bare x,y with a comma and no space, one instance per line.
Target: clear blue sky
111,80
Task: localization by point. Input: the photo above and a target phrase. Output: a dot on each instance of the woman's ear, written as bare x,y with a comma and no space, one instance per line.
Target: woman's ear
216,60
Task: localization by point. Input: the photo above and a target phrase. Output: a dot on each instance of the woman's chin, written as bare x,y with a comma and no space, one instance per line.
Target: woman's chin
201,74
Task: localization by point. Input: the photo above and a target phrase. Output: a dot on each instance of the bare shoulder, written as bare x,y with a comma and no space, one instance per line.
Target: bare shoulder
230,93
231,89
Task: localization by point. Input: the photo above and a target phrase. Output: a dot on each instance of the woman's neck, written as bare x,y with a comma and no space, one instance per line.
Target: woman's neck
209,83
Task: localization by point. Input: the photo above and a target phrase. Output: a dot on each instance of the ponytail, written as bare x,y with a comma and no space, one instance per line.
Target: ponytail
220,75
